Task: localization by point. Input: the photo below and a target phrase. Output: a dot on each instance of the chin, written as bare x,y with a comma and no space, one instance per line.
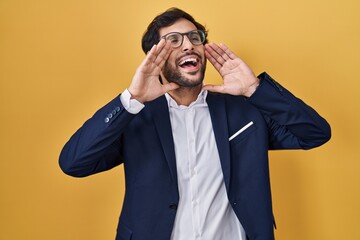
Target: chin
189,81
185,79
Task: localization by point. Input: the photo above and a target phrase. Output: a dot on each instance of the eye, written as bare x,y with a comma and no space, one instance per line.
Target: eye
195,37
173,38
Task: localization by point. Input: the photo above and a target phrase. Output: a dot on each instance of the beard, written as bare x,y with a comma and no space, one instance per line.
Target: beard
173,74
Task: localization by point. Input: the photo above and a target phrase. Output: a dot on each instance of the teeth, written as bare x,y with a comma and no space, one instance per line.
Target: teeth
192,60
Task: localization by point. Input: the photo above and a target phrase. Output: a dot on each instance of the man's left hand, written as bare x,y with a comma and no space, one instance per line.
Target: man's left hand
238,78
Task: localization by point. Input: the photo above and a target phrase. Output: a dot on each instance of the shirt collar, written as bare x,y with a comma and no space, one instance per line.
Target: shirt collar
199,102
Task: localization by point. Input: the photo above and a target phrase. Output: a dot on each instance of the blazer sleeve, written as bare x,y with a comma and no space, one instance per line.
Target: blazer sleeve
96,146
292,124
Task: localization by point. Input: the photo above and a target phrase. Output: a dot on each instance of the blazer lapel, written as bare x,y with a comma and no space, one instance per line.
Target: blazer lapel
160,113
218,115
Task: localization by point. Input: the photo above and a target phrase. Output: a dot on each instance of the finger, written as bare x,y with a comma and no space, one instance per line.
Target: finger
157,55
155,50
212,60
169,87
227,51
161,53
231,54
214,88
216,53
221,51
150,55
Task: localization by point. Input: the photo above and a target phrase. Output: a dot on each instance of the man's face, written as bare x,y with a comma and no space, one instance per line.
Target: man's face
186,64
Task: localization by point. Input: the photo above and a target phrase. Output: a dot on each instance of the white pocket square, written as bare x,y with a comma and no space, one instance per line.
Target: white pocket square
241,130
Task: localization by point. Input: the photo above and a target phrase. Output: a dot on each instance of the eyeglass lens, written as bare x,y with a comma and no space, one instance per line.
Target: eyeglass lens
196,37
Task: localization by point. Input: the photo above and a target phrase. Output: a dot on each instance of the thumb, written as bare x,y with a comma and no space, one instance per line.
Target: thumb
214,88
169,87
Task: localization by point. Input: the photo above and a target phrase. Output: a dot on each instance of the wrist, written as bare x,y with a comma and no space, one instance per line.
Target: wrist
252,88
134,95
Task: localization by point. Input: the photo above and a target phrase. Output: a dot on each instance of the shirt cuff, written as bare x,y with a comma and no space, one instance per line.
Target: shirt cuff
133,106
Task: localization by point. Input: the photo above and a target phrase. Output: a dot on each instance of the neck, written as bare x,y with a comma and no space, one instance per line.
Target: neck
185,96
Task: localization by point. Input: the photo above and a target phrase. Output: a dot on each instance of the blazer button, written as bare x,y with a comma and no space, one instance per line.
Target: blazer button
173,206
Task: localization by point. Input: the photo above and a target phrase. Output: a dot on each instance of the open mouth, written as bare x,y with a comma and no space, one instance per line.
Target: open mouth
190,63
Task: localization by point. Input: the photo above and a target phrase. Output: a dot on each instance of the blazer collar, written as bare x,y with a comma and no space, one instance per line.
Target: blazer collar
217,108
160,113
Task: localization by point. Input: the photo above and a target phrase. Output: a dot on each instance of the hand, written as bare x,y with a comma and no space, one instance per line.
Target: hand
145,85
238,77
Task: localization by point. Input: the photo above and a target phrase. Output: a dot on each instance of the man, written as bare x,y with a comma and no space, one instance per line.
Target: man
196,162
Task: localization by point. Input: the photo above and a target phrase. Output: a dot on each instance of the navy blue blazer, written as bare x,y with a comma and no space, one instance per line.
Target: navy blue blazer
143,142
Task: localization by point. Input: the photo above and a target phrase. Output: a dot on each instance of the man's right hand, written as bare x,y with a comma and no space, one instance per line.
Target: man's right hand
145,85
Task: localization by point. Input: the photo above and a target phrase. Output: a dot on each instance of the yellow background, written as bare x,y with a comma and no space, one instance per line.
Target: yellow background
60,60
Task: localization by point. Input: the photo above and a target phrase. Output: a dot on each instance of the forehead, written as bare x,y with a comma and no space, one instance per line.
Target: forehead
182,25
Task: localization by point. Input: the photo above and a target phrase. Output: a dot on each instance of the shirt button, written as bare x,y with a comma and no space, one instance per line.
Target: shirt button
117,109
113,112
110,115
107,120
196,202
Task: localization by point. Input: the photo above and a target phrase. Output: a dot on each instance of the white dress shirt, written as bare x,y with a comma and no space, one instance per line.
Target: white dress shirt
204,211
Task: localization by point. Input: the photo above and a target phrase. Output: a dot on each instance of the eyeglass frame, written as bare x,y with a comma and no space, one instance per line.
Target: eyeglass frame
204,33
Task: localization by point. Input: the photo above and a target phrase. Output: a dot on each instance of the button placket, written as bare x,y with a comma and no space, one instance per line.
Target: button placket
191,129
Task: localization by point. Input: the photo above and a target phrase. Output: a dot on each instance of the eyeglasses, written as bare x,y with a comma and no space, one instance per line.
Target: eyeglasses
196,37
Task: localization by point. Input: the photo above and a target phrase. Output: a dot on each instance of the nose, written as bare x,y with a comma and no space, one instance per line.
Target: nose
187,45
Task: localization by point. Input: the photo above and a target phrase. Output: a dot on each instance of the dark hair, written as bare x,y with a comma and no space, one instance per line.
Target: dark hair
167,18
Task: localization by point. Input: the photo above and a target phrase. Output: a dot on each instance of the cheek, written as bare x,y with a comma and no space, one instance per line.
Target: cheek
201,51
171,61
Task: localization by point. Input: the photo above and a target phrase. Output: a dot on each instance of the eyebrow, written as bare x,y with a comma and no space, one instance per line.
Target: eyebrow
178,32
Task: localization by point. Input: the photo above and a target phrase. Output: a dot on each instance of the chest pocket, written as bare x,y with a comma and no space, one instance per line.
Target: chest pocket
242,133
